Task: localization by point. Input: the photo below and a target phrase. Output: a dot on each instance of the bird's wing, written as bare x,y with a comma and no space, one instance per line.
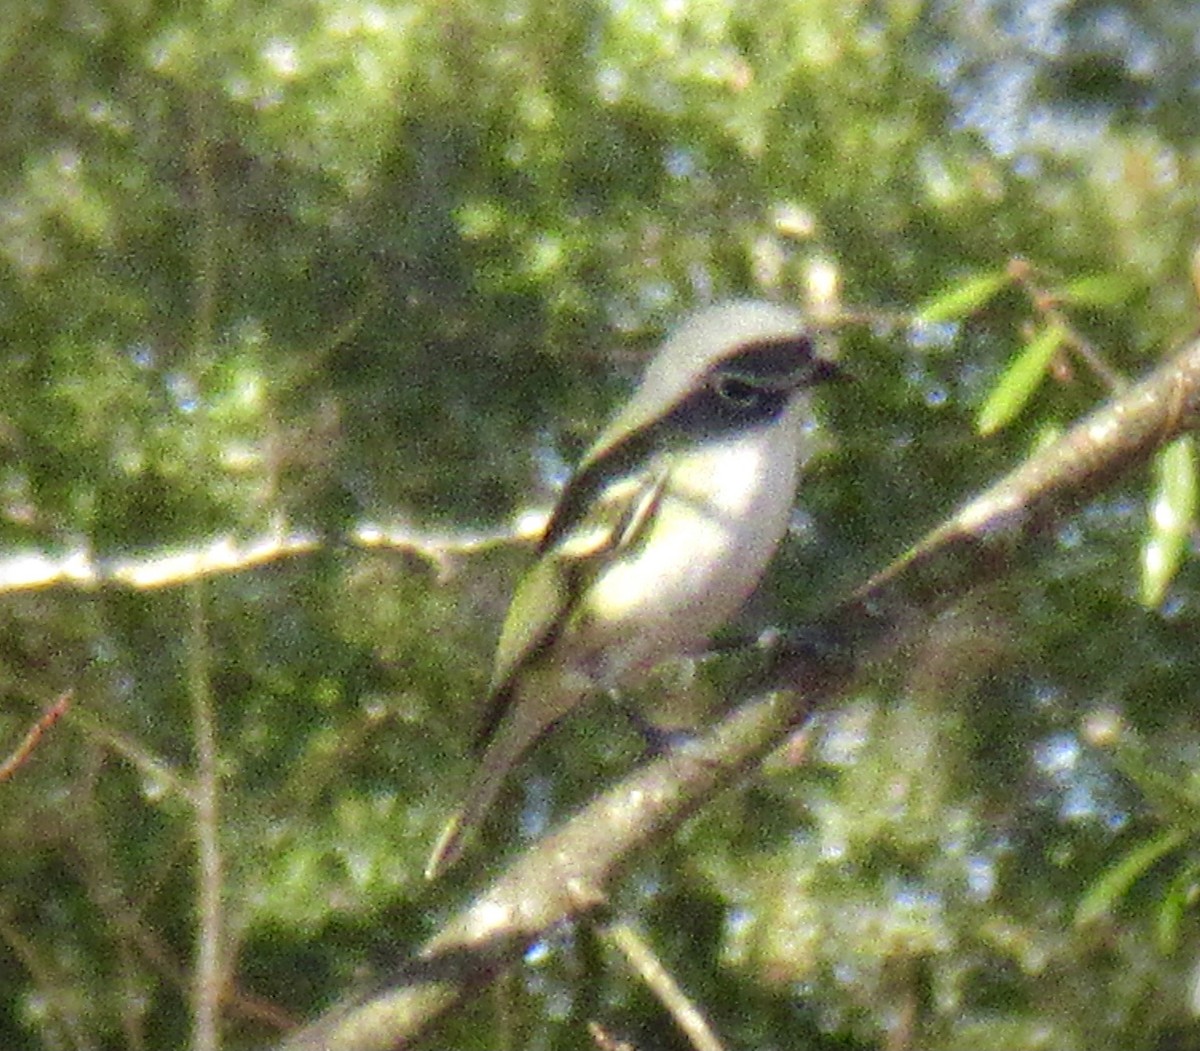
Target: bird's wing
526,700
548,593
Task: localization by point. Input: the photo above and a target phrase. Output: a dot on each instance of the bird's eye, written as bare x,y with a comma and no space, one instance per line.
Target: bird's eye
738,392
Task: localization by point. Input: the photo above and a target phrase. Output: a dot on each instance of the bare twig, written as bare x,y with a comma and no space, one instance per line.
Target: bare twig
642,958
25,749
225,554
157,771
62,1012
208,983
1047,305
207,280
138,935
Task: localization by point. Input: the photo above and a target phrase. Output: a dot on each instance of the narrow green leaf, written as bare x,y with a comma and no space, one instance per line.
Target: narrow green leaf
1166,787
1114,884
1179,895
963,298
1172,514
1019,381
1098,290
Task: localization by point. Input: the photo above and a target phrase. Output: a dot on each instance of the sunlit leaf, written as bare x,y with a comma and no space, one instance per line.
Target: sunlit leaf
1174,903
1172,514
1019,382
1098,290
963,298
1114,884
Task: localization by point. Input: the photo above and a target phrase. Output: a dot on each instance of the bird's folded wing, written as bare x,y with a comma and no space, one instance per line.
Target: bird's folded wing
548,592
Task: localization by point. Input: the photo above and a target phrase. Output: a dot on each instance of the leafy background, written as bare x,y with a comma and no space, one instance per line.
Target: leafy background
291,269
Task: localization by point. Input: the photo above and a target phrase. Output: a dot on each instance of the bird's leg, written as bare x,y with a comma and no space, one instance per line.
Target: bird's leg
656,739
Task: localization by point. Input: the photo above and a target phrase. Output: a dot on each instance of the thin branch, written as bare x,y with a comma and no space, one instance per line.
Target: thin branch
209,980
61,1012
25,749
80,569
566,873
136,934
1046,304
207,255
157,771
645,962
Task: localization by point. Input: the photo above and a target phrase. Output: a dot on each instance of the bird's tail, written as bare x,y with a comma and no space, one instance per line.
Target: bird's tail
540,701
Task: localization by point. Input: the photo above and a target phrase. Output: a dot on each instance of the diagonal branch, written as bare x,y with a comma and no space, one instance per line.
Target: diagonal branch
566,873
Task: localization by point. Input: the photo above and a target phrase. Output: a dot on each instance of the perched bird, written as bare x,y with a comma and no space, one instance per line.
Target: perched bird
660,536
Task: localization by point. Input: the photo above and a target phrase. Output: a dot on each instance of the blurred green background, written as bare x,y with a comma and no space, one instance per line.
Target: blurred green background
291,268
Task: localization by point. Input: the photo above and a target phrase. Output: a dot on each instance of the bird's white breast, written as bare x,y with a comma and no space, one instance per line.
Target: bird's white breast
724,509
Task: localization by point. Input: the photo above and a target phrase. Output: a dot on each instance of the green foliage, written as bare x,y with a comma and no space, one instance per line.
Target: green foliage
1172,518
963,298
1019,381
289,269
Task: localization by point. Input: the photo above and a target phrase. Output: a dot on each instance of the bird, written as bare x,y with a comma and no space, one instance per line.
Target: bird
660,535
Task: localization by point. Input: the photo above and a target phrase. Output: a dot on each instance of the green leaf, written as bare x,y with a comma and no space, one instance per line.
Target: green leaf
1098,290
1179,895
1114,884
1166,788
963,298
1020,380
1172,513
